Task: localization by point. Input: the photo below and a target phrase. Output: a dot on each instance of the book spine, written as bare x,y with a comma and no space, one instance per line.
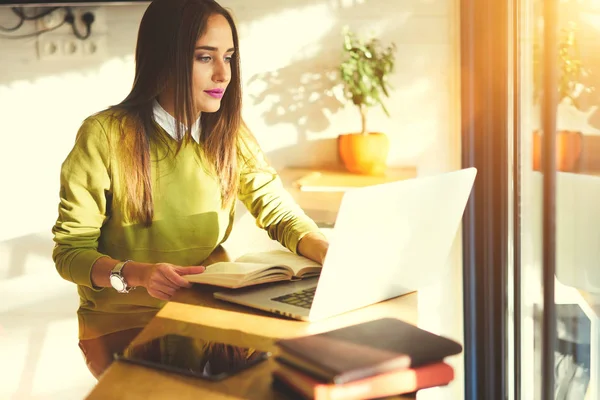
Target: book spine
390,384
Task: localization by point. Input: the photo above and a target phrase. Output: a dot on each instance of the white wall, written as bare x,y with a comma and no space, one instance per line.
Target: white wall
287,48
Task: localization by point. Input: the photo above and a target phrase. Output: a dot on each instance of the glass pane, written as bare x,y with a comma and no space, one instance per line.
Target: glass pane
577,284
577,194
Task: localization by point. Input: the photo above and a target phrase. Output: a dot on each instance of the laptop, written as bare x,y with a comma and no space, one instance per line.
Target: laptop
389,240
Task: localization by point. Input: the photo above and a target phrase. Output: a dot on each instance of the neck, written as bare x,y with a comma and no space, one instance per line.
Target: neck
166,102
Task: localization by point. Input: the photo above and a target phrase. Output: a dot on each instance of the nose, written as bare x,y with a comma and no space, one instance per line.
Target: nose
222,72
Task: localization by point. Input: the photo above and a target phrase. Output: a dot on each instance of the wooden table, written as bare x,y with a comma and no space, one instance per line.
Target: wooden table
196,312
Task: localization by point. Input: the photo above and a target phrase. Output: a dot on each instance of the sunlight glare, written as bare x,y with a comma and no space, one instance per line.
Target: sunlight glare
258,32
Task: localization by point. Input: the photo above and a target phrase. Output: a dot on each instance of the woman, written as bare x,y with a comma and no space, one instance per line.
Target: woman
148,190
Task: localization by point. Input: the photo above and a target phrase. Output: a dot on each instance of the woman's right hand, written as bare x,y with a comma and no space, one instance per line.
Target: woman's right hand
163,280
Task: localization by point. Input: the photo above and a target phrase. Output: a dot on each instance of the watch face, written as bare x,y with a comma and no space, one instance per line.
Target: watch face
117,283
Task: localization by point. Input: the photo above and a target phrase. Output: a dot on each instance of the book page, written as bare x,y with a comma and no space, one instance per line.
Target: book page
239,274
300,265
234,268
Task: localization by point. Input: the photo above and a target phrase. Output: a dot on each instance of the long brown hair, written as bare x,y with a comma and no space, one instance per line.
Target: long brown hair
164,55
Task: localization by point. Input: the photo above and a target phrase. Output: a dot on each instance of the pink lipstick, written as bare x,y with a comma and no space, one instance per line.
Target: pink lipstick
216,93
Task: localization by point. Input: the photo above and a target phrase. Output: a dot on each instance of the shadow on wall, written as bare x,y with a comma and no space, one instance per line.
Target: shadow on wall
301,94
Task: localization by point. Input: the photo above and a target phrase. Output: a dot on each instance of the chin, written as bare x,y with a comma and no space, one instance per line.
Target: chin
209,108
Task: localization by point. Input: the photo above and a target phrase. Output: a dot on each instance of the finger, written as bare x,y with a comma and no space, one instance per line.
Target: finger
173,278
196,269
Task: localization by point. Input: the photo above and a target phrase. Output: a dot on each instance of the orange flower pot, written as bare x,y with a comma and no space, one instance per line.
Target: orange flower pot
364,153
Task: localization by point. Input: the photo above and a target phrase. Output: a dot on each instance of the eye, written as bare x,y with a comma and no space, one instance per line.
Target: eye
228,59
203,58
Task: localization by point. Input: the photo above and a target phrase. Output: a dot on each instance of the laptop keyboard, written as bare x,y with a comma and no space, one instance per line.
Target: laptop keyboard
302,298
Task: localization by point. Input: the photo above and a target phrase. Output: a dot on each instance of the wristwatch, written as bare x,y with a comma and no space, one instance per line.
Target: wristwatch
117,280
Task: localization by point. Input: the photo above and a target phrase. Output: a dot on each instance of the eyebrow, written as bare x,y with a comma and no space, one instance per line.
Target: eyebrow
210,48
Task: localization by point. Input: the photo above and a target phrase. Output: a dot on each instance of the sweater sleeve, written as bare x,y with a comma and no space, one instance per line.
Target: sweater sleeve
263,194
84,184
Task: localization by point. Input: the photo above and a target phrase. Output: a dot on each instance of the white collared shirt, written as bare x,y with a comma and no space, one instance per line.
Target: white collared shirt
168,123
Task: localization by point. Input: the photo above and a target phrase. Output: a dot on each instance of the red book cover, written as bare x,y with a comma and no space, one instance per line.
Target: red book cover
388,384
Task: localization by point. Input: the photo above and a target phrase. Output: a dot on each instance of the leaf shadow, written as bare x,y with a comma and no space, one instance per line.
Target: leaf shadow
301,93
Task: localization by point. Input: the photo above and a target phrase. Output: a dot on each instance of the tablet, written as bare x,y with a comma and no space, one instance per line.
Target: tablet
194,357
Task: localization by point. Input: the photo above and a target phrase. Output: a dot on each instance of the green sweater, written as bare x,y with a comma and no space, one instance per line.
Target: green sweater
189,221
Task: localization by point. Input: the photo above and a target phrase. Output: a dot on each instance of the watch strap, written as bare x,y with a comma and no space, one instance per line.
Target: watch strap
117,271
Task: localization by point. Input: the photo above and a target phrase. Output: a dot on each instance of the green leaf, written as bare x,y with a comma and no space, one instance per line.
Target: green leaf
385,110
365,69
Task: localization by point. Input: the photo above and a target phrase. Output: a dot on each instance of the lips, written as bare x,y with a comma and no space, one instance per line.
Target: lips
216,93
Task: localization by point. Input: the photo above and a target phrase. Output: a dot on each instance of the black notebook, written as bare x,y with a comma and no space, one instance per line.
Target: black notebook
364,350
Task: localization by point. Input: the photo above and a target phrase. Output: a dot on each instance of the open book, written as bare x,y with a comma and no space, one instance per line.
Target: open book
257,268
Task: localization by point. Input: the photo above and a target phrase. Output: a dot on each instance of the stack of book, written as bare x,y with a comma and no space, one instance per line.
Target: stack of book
380,358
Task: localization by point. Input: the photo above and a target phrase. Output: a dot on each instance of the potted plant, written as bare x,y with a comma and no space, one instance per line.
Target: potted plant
571,85
364,72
